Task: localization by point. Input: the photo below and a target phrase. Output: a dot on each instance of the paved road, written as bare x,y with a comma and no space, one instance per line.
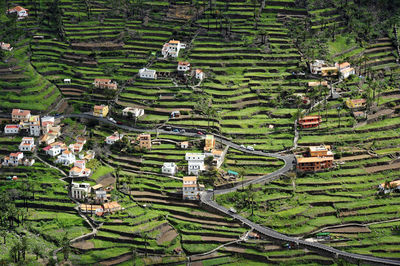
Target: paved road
206,197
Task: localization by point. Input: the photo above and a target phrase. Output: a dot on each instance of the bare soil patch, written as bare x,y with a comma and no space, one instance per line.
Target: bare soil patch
167,235
116,261
381,168
217,239
349,229
355,158
83,245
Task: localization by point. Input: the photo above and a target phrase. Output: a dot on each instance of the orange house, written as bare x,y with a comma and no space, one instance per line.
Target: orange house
313,164
310,121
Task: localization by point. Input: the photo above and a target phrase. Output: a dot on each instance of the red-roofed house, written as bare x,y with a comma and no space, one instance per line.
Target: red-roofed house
5,46
21,12
11,129
14,159
110,140
172,48
18,115
310,121
105,84
79,169
199,74
27,144
183,66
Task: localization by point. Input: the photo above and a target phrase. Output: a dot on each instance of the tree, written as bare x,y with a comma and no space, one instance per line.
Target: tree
250,197
134,254
117,173
37,250
65,246
204,106
3,234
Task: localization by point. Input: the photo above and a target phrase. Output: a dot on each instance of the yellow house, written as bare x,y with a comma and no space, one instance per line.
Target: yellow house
209,144
356,103
100,110
329,71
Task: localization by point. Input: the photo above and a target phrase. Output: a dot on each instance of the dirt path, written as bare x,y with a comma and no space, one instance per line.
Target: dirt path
381,168
355,158
184,218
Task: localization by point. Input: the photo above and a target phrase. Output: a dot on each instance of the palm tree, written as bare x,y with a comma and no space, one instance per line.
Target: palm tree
3,234
117,172
250,196
133,250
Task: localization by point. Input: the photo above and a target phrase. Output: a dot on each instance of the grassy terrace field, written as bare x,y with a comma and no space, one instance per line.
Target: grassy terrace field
251,67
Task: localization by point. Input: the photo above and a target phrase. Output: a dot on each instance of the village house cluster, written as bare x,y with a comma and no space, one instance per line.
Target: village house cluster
105,84
321,67
317,158
97,198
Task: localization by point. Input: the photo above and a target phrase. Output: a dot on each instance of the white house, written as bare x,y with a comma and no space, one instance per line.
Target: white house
5,46
14,159
18,115
66,158
145,73
172,48
135,112
21,12
47,120
52,150
79,169
199,74
183,66
76,147
80,190
190,190
184,144
27,144
110,140
195,163
34,129
11,129
345,70
169,168
316,66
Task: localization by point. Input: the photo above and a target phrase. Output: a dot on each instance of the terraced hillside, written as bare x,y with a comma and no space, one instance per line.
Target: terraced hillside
255,82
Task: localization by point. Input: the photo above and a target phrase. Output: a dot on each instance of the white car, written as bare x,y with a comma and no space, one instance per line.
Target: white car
250,148
112,120
232,210
242,146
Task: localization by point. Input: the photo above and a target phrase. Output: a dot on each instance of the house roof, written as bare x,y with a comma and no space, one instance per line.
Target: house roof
174,42
76,169
347,70
313,159
344,65
217,152
47,148
111,205
183,63
317,83
90,207
11,126
189,178
358,101
311,117
198,71
230,172
395,183
99,107
15,154
169,165
27,138
97,186
102,80
18,8
66,152
319,148
21,112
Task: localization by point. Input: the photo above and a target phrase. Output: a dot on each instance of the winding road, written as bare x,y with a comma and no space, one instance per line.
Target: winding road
206,197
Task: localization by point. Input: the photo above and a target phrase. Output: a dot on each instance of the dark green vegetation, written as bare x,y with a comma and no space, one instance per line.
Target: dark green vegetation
253,58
